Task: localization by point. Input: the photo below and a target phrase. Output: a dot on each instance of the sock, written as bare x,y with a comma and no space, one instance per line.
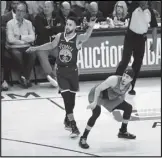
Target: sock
86,132
66,118
70,117
123,127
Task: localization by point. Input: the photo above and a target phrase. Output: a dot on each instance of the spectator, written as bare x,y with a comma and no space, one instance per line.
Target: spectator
78,7
119,14
106,7
128,3
157,15
80,4
93,12
11,14
20,35
8,7
57,4
46,26
5,62
156,5
64,12
3,7
6,65
35,7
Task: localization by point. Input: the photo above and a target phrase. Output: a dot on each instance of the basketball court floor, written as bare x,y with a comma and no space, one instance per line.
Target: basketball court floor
32,123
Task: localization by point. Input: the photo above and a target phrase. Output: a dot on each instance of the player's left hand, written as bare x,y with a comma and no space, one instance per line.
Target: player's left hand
92,22
47,27
91,106
31,49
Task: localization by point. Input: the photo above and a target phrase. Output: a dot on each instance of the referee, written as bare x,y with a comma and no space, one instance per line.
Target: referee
141,16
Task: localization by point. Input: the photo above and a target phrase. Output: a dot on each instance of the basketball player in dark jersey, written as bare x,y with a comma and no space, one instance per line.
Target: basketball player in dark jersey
110,94
68,44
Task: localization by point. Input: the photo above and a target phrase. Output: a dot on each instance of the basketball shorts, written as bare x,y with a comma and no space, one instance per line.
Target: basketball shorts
68,79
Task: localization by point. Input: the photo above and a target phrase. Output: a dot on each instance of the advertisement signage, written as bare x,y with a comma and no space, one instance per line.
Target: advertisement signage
103,54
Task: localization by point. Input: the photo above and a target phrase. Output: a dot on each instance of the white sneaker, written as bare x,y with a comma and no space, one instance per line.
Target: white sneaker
52,81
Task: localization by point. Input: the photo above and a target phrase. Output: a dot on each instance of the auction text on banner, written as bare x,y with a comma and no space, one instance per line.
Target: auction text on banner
103,54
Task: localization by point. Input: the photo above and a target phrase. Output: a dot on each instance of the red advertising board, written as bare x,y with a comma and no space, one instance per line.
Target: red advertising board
103,54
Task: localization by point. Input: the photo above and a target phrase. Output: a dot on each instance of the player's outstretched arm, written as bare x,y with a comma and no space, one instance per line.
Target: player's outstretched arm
109,82
46,46
84,37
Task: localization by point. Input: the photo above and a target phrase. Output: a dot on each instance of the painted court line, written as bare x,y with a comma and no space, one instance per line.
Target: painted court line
49,146
55,103
154,91
38,98
30,99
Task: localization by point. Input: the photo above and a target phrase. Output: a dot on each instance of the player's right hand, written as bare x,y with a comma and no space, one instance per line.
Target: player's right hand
91,106
31,49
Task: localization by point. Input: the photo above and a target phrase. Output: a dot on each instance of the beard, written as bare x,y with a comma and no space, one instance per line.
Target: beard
68,31
123,83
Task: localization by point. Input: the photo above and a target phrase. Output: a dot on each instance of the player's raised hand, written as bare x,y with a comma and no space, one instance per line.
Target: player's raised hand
92,21
31,49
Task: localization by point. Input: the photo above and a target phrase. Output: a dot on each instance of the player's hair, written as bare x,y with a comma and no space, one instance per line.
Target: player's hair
72,16
130,72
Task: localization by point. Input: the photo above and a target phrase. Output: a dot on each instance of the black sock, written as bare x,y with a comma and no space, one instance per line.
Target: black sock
72,98
123,127
85,134
66,118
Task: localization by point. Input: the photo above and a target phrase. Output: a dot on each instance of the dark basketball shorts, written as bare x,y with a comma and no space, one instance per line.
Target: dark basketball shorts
68,79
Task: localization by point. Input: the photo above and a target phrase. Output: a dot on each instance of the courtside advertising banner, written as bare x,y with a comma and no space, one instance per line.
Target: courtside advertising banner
103,54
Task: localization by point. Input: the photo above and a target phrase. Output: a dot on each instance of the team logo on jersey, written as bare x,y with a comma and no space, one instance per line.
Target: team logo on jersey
65,55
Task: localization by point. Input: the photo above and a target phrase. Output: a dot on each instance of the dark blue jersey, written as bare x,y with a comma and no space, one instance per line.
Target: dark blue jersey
68,52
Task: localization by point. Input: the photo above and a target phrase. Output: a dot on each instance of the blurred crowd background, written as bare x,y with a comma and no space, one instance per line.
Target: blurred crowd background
44,20
115,10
